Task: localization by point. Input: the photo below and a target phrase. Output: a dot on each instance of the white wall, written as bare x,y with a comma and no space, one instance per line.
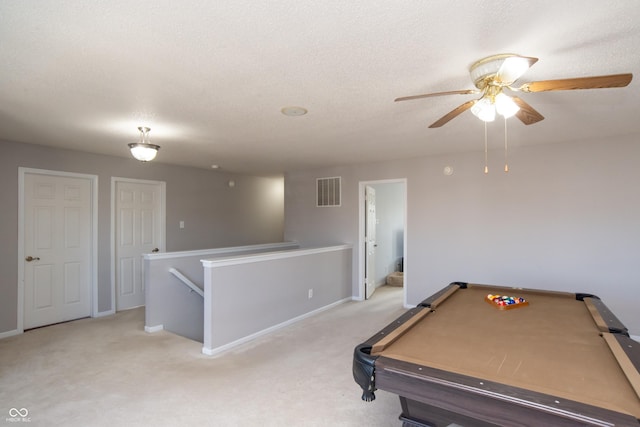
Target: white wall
566,217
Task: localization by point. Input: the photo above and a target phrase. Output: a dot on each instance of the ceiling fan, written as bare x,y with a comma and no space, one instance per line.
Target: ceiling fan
495,73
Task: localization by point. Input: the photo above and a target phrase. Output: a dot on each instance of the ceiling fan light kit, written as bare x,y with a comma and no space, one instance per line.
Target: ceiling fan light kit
144,150
493,74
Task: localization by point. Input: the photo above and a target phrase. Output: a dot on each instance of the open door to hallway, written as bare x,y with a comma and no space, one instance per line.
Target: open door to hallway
370,241
382,243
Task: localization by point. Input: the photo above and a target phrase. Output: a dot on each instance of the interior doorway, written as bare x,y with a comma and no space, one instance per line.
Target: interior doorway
390,234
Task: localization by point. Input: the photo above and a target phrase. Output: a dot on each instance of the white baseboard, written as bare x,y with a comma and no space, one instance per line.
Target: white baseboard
9,334
152,329
223,348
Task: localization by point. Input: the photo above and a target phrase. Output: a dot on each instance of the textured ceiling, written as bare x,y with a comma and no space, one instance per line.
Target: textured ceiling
210,78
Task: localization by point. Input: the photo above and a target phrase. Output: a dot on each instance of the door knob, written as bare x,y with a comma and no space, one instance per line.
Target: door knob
30,258
155,250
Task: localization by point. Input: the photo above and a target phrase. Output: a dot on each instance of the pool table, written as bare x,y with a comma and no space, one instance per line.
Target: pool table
563,359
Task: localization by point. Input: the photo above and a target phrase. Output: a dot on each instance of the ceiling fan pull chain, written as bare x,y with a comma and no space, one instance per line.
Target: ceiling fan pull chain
506,163
486,166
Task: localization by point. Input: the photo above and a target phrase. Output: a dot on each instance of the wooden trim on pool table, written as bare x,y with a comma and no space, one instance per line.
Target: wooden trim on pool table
631,372
602,315
441,296
602,325
514,290
393,336
604,318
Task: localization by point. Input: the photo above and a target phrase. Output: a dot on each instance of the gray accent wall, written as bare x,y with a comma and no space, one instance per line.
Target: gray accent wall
215,214
249,295
566,217
173,306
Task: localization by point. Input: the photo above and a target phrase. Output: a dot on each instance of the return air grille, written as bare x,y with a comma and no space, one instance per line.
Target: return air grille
328,191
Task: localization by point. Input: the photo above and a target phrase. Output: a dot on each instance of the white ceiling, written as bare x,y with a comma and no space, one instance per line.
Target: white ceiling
210,77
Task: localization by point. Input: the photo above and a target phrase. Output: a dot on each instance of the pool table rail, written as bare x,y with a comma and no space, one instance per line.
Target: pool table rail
627,353
364,361
604,318
459,398
602,315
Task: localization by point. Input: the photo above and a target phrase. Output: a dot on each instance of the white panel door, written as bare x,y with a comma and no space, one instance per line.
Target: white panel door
138,223
370,241
57,248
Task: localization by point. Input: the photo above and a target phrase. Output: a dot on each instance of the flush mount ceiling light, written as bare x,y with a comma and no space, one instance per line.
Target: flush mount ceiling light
144,150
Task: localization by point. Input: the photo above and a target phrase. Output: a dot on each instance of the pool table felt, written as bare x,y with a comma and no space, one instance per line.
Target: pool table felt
552,346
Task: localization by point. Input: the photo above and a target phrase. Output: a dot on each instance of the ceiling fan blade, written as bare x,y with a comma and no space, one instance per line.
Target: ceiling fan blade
428,95
613,80
527,114
453,114
513,68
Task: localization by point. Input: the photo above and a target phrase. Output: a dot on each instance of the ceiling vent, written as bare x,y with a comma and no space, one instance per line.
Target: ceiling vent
328,191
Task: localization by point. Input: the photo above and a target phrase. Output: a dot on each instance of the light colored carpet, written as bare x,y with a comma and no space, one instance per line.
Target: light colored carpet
109,372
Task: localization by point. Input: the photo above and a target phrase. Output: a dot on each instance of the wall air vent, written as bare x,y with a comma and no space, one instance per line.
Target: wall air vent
328,191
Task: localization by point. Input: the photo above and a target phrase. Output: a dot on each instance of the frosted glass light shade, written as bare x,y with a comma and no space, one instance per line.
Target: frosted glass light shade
486,67
484,110
506,106
144,152
513,68
503,69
